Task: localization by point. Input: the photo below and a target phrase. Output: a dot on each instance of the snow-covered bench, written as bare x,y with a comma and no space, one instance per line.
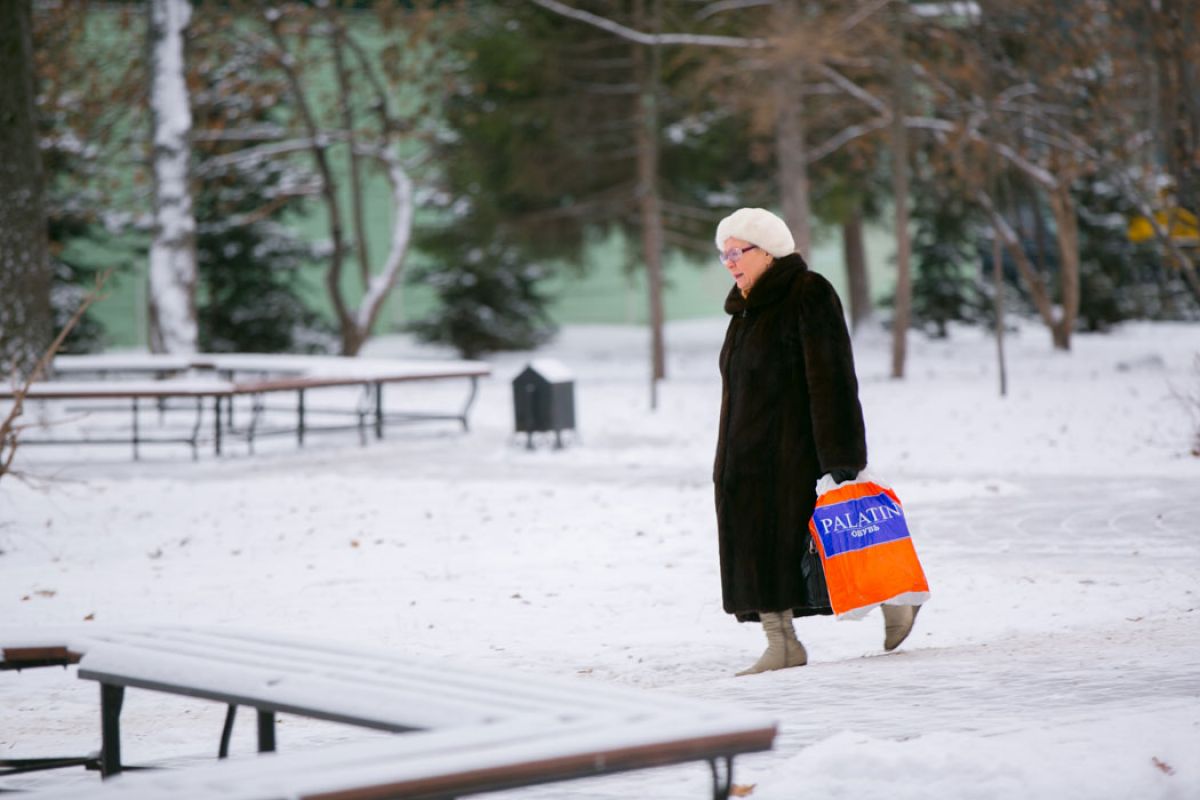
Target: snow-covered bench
465,731
221,379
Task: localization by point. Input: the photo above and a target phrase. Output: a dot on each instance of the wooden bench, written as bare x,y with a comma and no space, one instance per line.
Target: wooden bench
220,379
463,731
27,649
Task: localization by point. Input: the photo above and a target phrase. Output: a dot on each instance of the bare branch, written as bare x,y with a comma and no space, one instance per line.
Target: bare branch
853,89
10,431
861,14
257,133
846,136
379,286
632,35
721,7
1012,243
266,151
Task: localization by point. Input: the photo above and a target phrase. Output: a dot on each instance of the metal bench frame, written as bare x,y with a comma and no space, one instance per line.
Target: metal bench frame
497,707
258,380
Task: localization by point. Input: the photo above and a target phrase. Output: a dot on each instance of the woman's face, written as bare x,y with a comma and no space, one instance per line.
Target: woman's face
747,268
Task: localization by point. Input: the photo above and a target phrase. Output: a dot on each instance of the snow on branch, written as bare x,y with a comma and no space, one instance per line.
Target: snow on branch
402,202
263,152
640,37
712,9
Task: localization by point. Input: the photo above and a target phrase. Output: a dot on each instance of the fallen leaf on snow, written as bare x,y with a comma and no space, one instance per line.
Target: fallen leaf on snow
742,790
90,617
1163,766
45,593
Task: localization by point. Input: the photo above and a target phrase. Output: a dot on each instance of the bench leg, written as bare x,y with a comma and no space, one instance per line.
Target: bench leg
15,766
227,731
217,424
300,417
379,410
111,699
470,402
266,731
722,786
135,429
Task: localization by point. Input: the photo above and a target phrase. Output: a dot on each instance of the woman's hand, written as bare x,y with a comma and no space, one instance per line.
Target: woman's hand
843,475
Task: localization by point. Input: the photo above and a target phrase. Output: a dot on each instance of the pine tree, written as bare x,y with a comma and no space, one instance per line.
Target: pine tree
489,294
541,152
946,286
248,259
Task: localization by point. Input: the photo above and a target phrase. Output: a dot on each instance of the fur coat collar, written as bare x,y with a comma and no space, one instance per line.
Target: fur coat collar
771,287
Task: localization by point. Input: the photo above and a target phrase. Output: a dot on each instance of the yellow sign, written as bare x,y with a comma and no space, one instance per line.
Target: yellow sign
1179,223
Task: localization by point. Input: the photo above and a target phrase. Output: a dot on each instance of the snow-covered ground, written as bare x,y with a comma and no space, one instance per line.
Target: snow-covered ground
1059,527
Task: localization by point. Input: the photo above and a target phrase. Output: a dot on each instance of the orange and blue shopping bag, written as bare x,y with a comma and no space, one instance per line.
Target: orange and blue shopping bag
861,533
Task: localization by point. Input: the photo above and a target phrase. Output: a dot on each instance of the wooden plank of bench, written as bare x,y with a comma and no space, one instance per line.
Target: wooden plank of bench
253,650
28,657
357,687
455,763
127,390
96,363
518,730
22,646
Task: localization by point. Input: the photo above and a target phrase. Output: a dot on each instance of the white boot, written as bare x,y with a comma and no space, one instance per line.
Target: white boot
783,648
897,624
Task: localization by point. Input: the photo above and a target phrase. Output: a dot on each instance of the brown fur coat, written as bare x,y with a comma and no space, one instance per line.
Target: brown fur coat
789,414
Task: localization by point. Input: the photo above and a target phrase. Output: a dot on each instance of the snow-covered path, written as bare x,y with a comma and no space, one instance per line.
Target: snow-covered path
1059,656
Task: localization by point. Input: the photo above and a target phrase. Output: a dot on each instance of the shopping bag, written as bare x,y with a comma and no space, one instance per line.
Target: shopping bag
862,536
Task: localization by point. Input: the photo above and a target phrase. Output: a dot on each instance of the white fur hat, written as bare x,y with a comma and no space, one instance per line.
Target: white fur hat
757,226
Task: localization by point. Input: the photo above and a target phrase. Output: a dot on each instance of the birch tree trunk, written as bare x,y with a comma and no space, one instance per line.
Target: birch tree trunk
26,320
173,252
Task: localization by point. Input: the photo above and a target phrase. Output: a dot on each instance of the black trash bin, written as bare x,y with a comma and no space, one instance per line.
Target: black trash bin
544,400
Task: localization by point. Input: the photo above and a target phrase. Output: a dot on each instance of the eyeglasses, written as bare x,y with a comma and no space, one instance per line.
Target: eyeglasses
735,253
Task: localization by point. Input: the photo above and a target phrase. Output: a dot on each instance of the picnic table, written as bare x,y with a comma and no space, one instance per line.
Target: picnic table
209,384
462,731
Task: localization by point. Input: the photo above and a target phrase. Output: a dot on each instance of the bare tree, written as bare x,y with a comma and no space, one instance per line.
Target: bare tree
25,313
10,427
367,127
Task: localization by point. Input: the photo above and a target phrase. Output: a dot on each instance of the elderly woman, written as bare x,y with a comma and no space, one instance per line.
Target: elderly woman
789,414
